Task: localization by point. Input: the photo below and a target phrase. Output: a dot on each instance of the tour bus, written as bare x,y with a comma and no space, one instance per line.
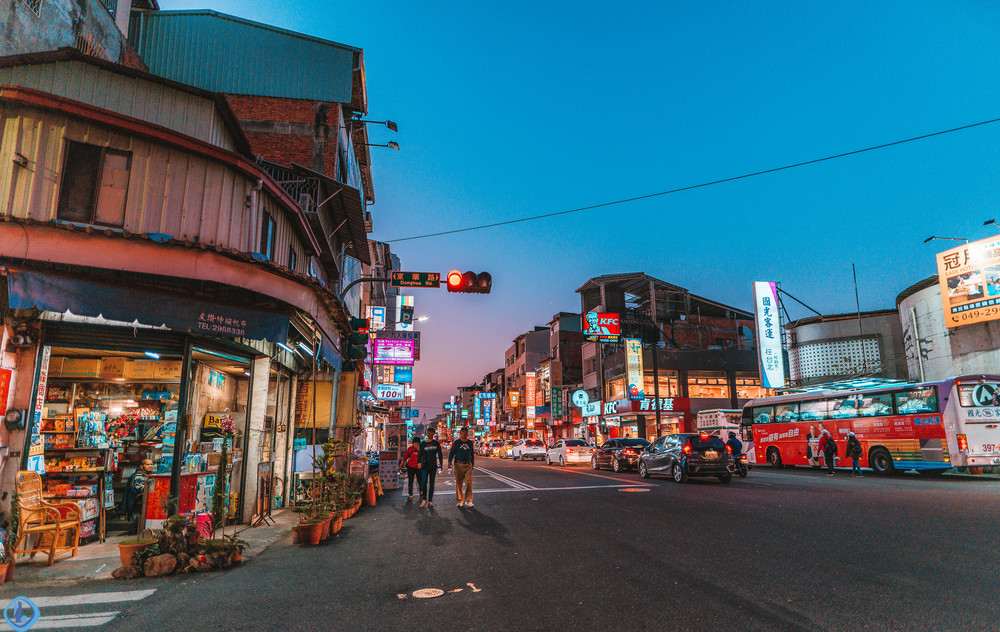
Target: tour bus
927,427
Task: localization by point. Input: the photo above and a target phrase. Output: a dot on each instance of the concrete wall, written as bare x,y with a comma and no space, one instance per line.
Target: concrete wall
945,352
884,351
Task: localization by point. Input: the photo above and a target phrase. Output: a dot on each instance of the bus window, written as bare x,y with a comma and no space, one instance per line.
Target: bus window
786,412
763,414
843,407
876,405
811,411
979,394
917,400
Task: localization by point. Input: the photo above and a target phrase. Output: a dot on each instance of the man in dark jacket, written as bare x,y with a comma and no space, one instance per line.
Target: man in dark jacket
429,460
829,448
854,450
463,454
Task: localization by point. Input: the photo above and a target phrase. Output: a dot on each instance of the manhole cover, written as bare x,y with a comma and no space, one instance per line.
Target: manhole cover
428,593
634,489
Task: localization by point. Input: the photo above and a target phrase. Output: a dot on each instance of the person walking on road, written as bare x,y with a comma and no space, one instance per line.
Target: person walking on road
429,460
410,463
829,448
853,450
463,454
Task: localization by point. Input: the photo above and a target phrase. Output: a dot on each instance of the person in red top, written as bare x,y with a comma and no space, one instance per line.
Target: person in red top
410,459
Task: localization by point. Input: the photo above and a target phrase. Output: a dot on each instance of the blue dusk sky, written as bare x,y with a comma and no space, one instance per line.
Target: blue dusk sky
513,109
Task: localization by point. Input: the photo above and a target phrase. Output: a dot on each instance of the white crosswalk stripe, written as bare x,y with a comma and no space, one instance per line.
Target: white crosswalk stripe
71,619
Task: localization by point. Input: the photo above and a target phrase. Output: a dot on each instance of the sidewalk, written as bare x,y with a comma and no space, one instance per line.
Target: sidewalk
98,560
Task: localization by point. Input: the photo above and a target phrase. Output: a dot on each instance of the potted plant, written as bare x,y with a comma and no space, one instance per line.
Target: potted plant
129,550
311,530
235,545
10,545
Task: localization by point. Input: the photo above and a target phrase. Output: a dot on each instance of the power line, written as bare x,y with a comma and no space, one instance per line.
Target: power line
694,186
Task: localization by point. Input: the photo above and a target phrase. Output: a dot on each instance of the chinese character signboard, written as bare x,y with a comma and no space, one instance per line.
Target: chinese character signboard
633,368
389,391
477,407
515,398
529,395
772,363
557,402
601,327
969,277
386,351
415,279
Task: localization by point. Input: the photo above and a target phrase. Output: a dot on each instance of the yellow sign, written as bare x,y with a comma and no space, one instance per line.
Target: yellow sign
969,278
515,399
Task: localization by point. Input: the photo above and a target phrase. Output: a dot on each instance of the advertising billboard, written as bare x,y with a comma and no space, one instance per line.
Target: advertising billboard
529,395
392,351
969,278
601,327
403,301
765,306
389,391
402,374
515,398
633,369
376,318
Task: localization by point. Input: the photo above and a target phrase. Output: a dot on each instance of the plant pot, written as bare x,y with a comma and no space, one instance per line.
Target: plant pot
337,524
9,576
310,533
235,557
326,529
3,571
127,551
295,534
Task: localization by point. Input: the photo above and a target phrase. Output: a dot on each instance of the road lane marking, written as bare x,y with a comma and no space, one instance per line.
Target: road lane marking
84,620
91,598
604,476
506,479
553,489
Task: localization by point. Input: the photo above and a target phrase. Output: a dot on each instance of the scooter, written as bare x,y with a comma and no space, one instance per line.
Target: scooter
741,465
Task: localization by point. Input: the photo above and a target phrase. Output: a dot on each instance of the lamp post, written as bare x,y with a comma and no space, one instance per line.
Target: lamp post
391,145
991,222
390,124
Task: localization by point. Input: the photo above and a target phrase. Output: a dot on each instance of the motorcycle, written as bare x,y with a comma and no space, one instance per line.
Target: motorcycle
741,465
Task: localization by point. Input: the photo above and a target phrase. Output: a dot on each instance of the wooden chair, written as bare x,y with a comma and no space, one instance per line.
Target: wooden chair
54,525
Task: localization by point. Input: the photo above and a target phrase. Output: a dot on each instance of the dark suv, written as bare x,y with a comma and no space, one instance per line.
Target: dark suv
684,455
618,454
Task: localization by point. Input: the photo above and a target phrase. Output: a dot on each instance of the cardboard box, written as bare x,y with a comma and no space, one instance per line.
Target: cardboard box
167,370
139,370
56,366
81,367
112,368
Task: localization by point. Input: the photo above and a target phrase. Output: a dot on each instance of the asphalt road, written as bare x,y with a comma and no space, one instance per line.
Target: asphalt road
549,548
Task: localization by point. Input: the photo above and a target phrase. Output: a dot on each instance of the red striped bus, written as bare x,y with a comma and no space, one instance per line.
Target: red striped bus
928,427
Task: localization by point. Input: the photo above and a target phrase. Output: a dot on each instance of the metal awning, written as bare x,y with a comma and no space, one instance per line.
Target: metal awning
347,209
56,293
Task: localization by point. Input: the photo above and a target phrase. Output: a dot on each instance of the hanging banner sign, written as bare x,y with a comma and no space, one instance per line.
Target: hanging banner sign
772,363
529,395
633,367
557,402
515,398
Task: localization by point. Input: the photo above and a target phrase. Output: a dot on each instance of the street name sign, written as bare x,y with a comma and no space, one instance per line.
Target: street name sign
415,279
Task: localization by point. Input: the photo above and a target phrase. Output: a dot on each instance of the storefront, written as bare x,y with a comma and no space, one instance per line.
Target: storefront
109,399
628,418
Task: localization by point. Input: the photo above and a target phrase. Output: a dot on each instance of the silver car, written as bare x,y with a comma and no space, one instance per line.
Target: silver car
529,449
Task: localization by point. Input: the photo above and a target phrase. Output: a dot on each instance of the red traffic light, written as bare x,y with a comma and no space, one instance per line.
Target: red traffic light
470,282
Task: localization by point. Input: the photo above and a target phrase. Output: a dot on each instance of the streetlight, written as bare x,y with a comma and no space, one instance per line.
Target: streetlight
390,124
933,237
391,145
991,222
420,319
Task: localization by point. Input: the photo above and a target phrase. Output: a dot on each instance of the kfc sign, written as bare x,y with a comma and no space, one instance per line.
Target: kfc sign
601,327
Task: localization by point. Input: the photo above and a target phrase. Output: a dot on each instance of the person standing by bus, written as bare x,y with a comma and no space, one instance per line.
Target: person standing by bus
853,450
829,449
429,460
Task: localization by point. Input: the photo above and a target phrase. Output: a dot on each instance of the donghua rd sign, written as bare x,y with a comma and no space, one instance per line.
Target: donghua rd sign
415,279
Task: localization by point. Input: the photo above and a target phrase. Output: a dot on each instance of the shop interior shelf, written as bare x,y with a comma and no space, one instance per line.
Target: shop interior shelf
72,472
95,380
69,498
75,449
73,432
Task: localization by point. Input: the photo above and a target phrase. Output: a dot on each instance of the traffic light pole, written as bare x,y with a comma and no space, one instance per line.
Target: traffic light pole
347,289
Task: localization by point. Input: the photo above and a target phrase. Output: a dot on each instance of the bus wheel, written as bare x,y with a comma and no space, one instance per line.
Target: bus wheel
880,461
774,457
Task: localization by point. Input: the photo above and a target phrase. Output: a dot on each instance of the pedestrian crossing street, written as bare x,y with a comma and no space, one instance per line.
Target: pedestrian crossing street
69,611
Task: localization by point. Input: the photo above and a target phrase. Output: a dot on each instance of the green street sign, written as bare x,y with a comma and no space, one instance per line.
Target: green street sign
415,279
557,403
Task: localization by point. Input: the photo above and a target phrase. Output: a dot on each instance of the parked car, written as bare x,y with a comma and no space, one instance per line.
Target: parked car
482,448
566,451
529,449
495,445
618,454
684,455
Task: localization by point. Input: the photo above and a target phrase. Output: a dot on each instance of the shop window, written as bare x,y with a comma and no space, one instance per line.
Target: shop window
708,384
94,185
668,384
748,386
267,231
616,389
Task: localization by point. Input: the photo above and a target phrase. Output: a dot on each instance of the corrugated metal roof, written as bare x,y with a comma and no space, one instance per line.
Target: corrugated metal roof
224,53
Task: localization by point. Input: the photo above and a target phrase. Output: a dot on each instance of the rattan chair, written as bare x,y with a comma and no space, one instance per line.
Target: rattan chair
55,526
